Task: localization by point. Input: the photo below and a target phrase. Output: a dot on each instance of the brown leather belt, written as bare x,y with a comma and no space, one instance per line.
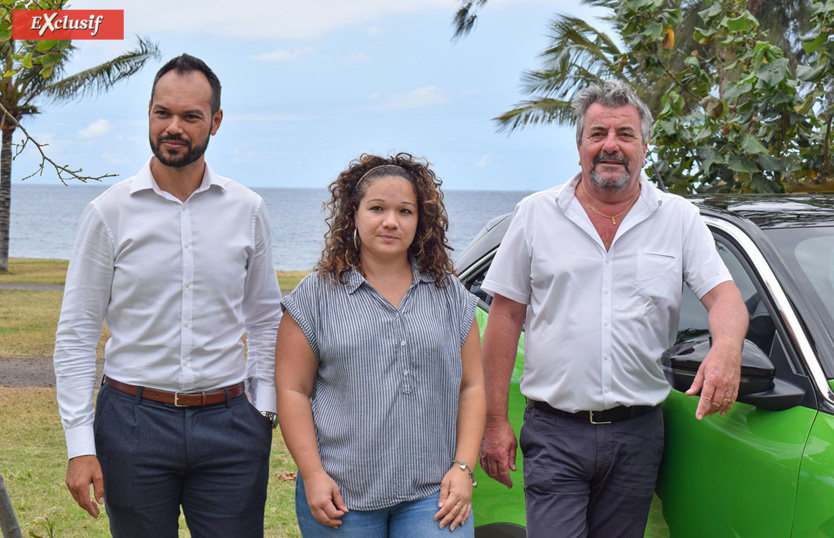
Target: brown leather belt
179,399
607,416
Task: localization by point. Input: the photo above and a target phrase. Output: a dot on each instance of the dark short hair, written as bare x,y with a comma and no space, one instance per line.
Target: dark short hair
185,63
611,93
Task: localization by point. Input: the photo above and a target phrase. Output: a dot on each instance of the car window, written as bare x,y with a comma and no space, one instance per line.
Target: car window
475,279
693,318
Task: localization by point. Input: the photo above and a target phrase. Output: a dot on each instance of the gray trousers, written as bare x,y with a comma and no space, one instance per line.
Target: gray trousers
582,479
155,457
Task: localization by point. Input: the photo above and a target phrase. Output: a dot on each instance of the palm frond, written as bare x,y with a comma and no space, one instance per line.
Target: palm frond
102,77
533,112
465,17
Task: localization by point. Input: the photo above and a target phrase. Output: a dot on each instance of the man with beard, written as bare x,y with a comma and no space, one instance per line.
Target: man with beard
178,261
596,266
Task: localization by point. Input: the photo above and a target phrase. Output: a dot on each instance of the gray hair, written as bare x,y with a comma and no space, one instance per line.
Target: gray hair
611,93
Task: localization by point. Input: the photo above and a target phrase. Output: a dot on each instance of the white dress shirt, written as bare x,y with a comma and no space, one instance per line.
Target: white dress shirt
598,320
178,284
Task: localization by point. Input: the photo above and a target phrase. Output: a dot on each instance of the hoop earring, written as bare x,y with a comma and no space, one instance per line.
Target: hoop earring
356,240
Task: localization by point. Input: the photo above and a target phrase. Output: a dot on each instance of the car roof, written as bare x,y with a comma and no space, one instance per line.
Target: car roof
771,210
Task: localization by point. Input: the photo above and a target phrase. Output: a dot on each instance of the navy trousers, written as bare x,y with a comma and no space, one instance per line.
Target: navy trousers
583,479
213,461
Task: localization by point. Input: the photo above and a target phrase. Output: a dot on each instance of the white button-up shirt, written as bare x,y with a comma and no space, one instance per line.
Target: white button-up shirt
598,320
178,284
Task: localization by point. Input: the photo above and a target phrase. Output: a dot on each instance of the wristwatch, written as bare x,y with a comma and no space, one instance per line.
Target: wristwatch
271,417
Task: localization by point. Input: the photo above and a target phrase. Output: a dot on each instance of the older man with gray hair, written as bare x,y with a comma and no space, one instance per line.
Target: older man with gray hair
596,268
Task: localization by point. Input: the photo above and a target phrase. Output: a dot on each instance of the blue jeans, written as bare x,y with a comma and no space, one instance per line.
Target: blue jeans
155,457
413,519
582,479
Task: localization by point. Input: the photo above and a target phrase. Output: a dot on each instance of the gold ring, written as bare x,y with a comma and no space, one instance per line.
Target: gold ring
729,401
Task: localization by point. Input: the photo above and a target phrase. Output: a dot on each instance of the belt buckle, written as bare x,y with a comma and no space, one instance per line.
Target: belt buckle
591,413
177,401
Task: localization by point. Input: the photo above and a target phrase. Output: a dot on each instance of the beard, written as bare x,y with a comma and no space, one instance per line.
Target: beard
618,183
178,161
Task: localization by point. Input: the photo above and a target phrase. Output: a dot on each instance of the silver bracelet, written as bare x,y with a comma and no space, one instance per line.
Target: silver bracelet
465,467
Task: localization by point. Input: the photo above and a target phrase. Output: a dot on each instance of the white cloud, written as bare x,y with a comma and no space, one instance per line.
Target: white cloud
97,128
283,55
419,98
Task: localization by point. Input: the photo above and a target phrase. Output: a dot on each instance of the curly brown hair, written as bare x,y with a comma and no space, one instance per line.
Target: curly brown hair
430,247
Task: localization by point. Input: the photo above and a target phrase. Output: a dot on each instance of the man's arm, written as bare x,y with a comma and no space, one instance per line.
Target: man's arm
86,296
719,374
506,319
262,314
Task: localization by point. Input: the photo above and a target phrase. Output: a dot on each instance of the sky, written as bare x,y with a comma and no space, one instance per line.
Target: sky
310,85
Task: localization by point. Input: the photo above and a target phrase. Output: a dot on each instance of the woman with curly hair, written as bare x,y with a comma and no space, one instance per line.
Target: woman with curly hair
378,368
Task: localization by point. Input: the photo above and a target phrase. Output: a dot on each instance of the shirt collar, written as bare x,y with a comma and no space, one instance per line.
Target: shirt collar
355,278
144,180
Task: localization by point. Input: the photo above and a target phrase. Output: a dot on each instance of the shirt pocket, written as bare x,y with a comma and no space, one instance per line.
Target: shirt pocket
658,274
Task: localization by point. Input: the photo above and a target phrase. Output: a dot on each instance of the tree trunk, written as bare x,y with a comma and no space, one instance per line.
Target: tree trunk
8,521
5,194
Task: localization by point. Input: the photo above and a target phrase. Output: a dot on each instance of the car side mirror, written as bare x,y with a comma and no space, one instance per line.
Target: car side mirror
758,386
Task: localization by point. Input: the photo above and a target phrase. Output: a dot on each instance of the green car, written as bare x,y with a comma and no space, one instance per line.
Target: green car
766,469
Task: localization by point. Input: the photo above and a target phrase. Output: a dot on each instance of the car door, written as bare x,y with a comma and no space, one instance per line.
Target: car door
738,475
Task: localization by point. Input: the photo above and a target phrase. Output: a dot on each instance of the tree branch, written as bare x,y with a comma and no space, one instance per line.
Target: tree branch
64,172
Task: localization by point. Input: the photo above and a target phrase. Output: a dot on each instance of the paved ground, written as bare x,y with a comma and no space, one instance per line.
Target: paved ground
16,286
31,371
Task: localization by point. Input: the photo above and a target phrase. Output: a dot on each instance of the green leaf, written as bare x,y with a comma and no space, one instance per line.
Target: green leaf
733,90
806,106
46,72
11,73
27,60
669,126
692,61
653,31
5,33
711,11
810,74
45,45
765,185
811,43
742,23
769,162
751,145
49,60
773,73
742,164
709,156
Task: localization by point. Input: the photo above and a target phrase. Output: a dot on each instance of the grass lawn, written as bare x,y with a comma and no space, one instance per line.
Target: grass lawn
33,463
32,450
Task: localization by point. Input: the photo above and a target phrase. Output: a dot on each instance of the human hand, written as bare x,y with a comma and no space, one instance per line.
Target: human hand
324,499
455,500
498,448
717,380
81,472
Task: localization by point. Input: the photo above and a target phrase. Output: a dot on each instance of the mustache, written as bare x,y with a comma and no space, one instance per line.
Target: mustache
610,156
175,138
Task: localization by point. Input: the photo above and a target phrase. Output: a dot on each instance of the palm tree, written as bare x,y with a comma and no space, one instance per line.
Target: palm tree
579,55
22,93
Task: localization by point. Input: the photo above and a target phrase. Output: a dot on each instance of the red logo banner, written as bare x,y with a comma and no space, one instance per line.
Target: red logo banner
68,24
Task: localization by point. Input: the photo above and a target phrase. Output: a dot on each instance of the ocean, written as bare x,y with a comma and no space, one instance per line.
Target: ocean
44,219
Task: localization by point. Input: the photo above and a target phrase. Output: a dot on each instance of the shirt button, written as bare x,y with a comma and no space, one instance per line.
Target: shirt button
188,284
186,245
405,373
402,343
185,324
184,207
